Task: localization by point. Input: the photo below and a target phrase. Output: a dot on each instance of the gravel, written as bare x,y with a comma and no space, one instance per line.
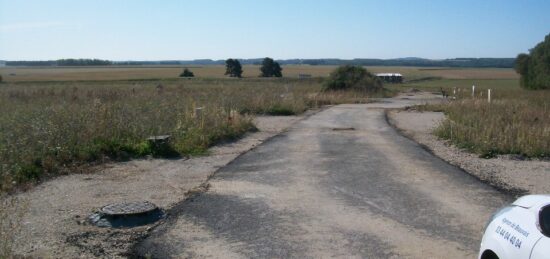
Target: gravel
508,173
55,224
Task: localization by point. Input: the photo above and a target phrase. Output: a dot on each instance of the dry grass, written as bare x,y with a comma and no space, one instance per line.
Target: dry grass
20,74
517,121
49,127
52,128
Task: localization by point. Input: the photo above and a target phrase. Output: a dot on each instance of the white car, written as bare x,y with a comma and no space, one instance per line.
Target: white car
521,230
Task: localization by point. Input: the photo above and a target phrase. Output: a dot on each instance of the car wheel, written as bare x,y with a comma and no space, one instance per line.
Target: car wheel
489,255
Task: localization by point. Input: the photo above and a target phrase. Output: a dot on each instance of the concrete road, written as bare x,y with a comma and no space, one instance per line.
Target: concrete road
325,190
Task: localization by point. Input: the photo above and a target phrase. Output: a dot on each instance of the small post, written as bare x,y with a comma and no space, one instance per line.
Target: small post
451,131
489,95
198,115
473,90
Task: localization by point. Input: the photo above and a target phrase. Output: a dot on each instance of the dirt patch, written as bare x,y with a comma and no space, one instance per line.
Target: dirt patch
507,173
55,224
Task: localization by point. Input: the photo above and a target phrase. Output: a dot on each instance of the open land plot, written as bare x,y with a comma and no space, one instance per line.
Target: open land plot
18,74
45,127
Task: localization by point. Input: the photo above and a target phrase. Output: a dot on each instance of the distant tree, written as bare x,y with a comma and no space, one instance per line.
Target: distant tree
233,68
270,68
352,77
187,73
534,67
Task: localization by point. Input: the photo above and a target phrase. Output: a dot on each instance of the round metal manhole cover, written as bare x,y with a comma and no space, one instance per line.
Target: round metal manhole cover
128,208
128,214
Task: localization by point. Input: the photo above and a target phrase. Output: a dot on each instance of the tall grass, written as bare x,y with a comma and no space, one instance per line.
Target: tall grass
517,121
50,128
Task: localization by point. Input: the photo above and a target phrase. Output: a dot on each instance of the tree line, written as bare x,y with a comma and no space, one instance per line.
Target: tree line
534,67
420,62
62,62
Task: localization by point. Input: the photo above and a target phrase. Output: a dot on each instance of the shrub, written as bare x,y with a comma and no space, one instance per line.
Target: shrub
187,73
353,78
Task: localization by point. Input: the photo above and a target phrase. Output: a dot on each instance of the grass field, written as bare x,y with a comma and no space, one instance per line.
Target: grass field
20,74
517,121
55,120
51,128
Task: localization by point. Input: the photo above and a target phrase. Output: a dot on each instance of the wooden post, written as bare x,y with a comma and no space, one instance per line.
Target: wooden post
489,95
473,90
198,113
198,116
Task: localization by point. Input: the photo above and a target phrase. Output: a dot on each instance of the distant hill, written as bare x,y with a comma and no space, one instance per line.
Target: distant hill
408,61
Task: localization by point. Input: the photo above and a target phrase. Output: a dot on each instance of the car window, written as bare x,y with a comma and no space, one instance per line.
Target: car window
545,220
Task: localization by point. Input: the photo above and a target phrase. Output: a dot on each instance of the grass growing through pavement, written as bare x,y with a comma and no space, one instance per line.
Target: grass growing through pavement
50,128
517,121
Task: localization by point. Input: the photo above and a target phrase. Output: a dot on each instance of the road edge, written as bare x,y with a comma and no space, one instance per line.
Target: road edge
171,213
491,181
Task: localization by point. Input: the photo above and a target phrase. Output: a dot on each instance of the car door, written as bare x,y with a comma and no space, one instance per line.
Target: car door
515,233
541,249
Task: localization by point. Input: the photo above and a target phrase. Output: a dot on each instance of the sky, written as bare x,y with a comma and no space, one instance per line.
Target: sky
281,29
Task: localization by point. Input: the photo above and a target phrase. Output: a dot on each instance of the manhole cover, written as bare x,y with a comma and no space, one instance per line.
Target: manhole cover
125,215
341,129
129,208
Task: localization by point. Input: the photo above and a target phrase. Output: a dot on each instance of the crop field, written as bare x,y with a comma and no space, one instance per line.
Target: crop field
142,72
20,74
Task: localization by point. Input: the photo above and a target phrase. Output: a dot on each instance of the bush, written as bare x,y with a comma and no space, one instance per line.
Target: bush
353,78
187,73
534,67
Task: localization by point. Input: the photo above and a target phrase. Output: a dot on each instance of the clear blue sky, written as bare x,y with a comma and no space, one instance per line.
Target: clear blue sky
169,30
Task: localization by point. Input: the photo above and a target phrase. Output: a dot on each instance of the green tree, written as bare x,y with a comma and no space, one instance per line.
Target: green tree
187,73
534,67
354,78
233,68
270,68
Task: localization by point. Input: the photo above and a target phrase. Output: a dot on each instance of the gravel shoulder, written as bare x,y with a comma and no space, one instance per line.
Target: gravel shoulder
339,184
506,173
55,223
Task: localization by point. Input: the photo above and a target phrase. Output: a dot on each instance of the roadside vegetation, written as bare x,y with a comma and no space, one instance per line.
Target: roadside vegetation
516,121
518,125
52,128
